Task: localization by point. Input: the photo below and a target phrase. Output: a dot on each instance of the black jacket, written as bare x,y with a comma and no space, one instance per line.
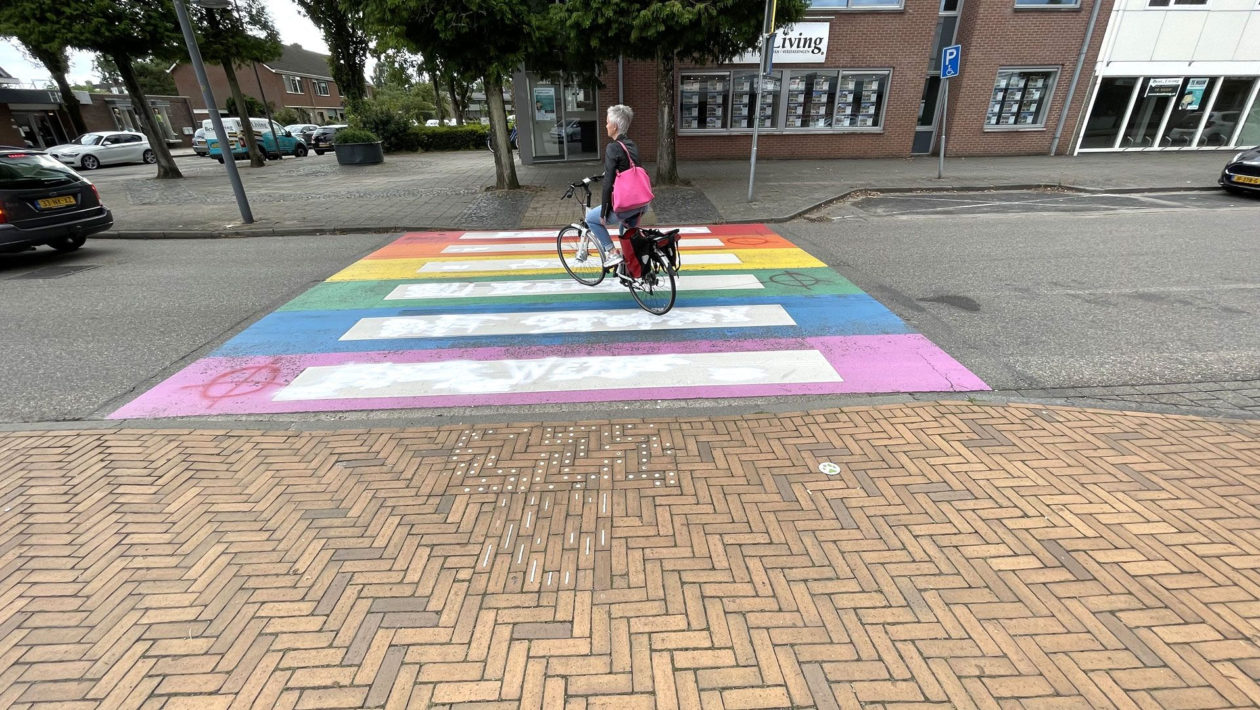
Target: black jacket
615,161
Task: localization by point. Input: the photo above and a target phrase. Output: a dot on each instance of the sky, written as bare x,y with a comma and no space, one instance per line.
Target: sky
293,27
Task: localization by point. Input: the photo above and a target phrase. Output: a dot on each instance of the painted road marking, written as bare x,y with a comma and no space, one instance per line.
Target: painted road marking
551,246
505,289
443,267
546,322
520,234
558,374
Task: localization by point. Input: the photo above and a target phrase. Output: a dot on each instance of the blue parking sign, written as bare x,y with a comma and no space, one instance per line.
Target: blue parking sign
950,57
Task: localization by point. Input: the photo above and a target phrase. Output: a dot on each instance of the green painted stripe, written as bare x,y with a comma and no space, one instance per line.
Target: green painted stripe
347,295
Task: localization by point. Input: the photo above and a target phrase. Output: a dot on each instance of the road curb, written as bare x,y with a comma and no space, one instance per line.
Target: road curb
246,232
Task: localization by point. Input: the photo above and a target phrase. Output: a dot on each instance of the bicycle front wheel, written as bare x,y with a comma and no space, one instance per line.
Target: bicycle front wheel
656,291
580,255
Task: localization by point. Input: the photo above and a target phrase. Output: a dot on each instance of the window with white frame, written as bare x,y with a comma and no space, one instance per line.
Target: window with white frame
321,88
1175,3
1021,99
292,84
855,4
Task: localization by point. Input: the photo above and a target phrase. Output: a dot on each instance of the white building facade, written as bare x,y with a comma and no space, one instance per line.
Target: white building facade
1176,75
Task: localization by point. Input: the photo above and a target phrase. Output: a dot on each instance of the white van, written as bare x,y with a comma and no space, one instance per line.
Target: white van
272,136
232,125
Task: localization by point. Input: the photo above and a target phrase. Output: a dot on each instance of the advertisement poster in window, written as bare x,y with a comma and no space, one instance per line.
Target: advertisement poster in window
1163,86
1194,94
544,103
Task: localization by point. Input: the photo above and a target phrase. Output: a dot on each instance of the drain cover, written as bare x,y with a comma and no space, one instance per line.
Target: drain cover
56,272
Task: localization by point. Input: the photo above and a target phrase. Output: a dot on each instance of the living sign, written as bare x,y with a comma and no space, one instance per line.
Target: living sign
802,43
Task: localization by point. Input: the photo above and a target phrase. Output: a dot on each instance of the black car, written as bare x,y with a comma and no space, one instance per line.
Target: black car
322,138
45,202
1242,173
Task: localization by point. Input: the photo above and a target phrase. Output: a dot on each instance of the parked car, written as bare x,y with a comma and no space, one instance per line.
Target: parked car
569,130
199,143
1242,173
321,139
446,122
272,139
43,202
1217,131
92,150
303,131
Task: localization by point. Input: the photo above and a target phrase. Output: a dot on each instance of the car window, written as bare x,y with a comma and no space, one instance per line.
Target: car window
24,170
89,139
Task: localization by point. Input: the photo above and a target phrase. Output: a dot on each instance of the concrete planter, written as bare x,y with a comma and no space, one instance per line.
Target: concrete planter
359,153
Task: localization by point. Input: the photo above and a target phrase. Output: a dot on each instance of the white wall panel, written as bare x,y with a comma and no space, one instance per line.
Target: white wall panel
1249,43
1135,36
1179,36
1219,39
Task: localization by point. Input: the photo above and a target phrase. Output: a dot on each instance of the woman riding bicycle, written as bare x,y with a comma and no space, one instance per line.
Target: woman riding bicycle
600,218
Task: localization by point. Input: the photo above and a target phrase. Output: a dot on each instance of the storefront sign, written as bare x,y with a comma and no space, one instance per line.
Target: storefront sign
1163,86
1194,94
802,43
544,103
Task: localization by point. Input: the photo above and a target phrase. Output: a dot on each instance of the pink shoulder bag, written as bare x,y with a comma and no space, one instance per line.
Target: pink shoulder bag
632,189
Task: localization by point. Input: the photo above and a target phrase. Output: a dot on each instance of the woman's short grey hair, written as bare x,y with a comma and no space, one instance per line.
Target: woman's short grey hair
621,116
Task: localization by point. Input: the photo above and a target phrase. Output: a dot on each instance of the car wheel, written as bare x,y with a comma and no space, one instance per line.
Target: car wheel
149,156
90,162
219,158
299,151
67,244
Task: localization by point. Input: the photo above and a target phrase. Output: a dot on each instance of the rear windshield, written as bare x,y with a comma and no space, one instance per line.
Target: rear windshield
26,170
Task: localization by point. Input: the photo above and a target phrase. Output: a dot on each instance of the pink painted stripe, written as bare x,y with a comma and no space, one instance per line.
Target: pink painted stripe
868,363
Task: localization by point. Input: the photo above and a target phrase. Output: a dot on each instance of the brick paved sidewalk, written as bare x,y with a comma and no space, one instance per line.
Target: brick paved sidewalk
964,556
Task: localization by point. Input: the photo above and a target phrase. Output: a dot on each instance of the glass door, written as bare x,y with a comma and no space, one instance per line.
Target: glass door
546,104
564,123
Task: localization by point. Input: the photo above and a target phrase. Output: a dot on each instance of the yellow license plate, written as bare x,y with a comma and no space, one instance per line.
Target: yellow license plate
1247,179
49,203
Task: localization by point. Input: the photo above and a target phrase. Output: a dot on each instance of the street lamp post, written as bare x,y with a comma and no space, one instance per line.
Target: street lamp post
199,68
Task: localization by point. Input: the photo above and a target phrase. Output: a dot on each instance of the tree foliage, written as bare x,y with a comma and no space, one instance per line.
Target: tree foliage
17,20
344,30
151,73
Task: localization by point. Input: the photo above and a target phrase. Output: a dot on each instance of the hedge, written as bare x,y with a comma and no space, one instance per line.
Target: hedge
471,136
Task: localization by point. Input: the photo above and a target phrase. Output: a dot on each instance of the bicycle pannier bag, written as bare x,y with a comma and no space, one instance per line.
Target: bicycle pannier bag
632,189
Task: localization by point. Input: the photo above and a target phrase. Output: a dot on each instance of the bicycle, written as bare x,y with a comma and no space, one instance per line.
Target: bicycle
511,139
583,256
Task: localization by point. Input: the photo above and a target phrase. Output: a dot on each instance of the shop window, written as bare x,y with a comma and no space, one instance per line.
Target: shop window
703,101
1175,3
321,88
811,99
1102,129
744,97
1021,99
292,84
1047,3
860,100
1226,113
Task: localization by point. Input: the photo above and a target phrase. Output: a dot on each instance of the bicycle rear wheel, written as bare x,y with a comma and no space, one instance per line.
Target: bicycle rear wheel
580,255
656,291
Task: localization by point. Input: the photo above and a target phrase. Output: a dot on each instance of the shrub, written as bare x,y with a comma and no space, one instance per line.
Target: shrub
354,135
470,137
393,127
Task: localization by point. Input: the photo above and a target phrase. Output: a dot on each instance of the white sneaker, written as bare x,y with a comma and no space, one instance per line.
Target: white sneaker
613,259
582,253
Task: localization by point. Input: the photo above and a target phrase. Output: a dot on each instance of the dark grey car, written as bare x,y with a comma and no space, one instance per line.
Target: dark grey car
43,202
1242,173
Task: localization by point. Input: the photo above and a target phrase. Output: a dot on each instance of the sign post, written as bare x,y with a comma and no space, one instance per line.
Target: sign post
950,58
763,71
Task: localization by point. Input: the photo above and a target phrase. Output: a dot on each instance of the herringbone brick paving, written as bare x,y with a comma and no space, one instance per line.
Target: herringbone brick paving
971,556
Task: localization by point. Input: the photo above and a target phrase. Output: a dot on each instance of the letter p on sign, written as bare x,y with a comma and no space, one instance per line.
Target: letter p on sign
950,57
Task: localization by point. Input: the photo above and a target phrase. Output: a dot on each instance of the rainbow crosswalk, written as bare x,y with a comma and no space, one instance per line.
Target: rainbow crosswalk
440,319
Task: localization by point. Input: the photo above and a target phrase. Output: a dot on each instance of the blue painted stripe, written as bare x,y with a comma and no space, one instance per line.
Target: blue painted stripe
296,332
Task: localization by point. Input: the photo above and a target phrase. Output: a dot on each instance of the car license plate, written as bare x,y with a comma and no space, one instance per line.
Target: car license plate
1247,179
52,203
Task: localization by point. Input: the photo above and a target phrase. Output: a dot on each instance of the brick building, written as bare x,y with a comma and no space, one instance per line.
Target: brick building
854,79
37,117
299,79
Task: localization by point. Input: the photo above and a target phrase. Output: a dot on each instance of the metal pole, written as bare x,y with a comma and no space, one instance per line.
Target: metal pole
271,125
752,160
940,169
194,53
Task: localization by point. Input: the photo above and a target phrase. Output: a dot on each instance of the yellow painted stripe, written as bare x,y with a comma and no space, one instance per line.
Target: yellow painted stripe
389,269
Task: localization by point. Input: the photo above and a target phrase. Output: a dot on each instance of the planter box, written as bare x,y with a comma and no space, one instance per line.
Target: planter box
359,153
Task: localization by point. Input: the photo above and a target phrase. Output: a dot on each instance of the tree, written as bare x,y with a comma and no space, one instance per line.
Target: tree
152,75
123,31
667,31
486,38
343,27
19,19
234,37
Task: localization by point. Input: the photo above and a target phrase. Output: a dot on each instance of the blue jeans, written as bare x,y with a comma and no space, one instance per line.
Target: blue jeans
601,232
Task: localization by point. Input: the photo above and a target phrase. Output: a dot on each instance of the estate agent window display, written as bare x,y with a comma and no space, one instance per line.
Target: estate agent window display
792,100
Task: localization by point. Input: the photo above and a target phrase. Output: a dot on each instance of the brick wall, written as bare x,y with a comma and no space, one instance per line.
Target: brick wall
272,86
993,35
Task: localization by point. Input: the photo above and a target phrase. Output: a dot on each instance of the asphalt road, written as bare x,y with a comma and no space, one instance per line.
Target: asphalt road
1035,298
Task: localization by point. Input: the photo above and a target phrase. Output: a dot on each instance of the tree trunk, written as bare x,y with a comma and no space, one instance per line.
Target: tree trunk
504,162
666,160
437,91
57,66
247,129
455,105
157,142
